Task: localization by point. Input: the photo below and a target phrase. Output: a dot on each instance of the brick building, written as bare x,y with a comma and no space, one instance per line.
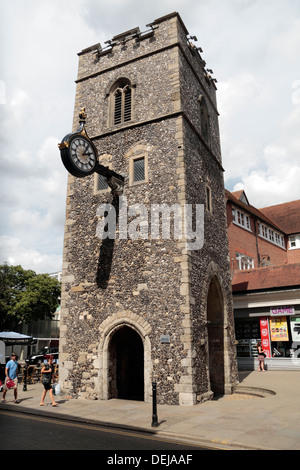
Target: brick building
287,217
144,308
265,267
255,240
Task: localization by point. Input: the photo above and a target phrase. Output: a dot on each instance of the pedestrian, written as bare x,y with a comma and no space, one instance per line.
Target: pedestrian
47,373
11,375
261,357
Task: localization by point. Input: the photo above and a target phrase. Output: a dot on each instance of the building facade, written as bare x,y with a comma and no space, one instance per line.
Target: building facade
140,305
255,240
287,216
265,267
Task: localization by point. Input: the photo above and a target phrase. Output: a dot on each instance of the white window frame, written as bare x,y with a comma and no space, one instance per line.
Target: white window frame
294,242
244,262
241,219
266,232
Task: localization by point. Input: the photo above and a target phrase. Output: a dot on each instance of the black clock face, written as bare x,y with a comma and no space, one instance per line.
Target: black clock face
79,155
82,154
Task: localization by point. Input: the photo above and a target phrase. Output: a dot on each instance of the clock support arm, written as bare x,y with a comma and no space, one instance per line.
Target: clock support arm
114,180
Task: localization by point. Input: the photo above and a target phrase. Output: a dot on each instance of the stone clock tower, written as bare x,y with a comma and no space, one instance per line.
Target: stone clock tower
146,293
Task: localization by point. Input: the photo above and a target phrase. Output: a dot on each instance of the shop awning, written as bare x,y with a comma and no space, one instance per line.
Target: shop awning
10,338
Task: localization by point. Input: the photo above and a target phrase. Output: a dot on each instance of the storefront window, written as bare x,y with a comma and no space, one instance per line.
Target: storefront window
285,336
247,333
281,334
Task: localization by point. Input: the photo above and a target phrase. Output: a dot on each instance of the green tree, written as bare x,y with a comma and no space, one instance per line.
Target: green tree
26,296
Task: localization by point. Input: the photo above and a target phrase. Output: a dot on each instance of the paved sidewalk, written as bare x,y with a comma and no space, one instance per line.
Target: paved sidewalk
263,414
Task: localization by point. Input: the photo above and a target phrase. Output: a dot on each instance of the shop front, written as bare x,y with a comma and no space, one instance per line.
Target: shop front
278,329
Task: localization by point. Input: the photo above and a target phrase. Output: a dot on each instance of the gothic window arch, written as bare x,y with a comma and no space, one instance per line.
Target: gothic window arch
204,119
121,102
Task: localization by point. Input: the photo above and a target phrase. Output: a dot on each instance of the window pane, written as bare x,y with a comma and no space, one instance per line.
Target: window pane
127,105
244,262
118,108
139,169
101,183
208,199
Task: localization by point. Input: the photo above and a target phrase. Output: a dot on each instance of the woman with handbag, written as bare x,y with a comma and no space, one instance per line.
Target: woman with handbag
47,376
261,357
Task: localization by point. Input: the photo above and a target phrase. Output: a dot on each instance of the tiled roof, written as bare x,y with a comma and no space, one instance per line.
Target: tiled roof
237,194
286,216
241,196
251,209
270,277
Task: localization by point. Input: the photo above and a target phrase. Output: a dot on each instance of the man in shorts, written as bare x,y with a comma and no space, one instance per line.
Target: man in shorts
11,373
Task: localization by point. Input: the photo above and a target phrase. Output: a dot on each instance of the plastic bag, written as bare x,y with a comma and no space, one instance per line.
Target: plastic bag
56,389
10,383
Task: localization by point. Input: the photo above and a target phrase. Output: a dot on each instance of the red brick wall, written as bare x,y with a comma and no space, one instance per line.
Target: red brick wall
243,241
240,239
277,255
293,256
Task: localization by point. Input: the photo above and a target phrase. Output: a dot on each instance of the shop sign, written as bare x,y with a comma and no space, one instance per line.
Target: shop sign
265,336
280,311
279,329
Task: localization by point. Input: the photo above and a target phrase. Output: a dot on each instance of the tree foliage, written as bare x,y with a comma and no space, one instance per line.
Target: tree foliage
26,296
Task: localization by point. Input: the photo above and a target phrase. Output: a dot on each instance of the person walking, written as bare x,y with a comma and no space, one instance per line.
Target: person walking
261,357
47,373
11,375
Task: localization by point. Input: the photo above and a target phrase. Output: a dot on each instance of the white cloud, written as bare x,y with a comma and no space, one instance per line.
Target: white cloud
33,193
237,92
264,188
252,46
270,174
287,43
20,105
275,180
290,132
15,252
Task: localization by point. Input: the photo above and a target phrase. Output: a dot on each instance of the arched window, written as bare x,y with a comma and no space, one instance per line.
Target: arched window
121,102
204,119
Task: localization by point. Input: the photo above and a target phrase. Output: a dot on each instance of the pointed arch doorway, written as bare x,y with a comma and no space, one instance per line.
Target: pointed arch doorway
215,331
126,365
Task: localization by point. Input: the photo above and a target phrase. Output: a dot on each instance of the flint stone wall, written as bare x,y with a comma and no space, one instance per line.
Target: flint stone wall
155,286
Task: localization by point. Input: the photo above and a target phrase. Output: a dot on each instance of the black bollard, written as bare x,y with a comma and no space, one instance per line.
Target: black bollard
25,378
154,406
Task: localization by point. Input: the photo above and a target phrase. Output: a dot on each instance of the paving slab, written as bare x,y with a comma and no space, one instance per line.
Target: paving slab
263,413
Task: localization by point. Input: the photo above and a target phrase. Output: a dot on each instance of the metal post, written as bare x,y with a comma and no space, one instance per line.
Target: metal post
25,377
154,406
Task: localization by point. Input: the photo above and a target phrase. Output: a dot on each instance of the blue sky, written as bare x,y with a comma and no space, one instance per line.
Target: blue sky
253,47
